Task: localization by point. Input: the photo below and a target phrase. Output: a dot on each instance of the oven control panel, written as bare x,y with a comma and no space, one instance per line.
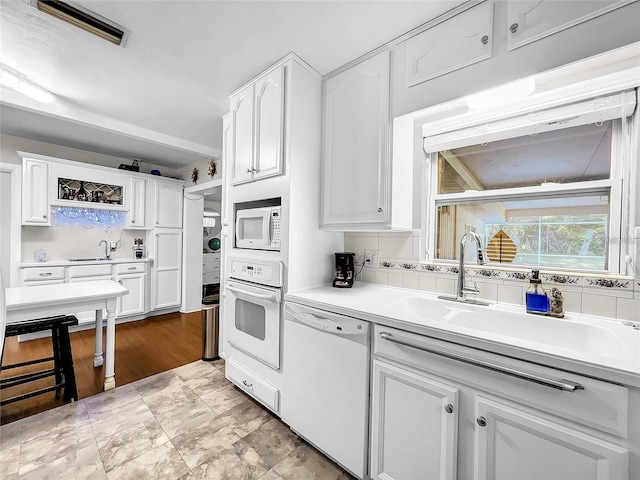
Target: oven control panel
265,272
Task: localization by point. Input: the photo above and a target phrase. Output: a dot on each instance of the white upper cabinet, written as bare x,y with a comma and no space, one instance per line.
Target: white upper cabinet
460,41
257,128
531,20
356,148
241,147
137,203
168,204
35,192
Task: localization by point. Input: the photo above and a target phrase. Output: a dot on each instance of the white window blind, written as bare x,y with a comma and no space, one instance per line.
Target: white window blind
594,110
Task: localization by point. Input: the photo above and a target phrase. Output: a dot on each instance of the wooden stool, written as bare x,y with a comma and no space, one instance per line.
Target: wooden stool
62,358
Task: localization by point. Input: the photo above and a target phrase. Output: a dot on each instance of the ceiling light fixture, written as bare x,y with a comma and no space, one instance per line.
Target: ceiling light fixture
83,18
16,81
502,94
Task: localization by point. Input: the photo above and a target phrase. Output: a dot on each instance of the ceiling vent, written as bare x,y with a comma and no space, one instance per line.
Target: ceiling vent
83,18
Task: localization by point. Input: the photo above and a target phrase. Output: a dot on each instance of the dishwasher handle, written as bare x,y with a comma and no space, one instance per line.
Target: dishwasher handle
564,385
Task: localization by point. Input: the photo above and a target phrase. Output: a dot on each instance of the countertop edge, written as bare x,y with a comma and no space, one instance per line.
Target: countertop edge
68,263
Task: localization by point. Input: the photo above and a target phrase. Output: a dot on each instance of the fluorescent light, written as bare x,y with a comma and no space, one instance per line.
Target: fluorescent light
502,94
9,78
15,80
32,90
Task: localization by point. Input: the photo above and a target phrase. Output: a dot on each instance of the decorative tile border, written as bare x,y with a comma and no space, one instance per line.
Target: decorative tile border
609,283
517,276
603,284
561,279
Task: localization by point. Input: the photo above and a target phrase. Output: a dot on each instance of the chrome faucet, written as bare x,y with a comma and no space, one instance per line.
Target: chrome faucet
106,249
461,295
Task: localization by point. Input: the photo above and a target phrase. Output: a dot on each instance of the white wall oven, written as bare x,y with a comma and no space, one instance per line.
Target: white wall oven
253,307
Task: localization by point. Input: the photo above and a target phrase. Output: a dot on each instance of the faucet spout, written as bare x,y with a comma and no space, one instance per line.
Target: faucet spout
462,288
106,249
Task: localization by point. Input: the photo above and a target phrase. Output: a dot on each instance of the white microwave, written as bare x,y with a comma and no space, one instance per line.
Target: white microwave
258,228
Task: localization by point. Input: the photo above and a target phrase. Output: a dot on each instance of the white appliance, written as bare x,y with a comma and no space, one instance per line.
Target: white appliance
326,383
258,228
253,307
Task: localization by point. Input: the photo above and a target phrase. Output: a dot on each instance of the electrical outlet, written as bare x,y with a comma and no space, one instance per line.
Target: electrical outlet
113,246
373,256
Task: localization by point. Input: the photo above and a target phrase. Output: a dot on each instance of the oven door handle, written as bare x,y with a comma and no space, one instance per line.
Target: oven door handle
272,296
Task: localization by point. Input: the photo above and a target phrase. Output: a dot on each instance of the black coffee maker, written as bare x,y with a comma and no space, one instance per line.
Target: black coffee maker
345,270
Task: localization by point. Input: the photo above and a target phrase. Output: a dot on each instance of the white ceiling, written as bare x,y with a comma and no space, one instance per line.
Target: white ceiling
161,97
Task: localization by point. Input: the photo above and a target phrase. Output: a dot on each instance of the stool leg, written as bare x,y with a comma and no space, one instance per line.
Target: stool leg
70,388
57,358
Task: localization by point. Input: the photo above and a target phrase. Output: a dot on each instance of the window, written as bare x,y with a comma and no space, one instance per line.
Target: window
552,197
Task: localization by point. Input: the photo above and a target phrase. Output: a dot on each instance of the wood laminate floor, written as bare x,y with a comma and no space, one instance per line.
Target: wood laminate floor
143,348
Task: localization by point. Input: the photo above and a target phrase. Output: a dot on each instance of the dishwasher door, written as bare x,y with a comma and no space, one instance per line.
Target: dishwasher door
325,396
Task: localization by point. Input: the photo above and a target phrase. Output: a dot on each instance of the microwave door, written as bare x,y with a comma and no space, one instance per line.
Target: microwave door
252,228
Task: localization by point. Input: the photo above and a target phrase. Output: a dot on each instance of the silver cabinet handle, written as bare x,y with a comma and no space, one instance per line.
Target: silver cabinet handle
513,28
247,384
485,39
481,421
448,408
44,216
131,268
565,385
47,274
248,170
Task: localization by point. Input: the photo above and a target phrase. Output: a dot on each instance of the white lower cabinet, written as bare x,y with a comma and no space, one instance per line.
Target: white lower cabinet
133,277
511,444
414,424
488,417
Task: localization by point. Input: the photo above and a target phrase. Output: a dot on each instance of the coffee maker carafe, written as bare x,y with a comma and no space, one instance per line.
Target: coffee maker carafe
345,270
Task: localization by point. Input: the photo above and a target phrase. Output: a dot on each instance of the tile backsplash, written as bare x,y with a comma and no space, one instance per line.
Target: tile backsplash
603,295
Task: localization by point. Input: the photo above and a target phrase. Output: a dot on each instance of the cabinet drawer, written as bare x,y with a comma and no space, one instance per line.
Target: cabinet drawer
89,271
252,384
42,273
124,268
211,258
599,404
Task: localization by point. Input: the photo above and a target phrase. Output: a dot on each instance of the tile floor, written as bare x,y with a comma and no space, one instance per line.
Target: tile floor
184,424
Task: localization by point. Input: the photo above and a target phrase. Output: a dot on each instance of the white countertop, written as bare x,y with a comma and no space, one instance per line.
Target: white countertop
47,296
374,303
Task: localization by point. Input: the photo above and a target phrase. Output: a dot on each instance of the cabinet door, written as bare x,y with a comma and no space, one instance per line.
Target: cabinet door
460,41
269,126
137,202
531,20
35,192
167,269
414,423
168,204
512,444
242,136
133,302
356,145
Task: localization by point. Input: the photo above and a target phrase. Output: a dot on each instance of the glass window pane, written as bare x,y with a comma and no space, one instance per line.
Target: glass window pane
251,319
568,231
568,155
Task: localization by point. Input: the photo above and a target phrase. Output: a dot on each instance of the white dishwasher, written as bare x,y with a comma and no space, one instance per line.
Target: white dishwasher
325,396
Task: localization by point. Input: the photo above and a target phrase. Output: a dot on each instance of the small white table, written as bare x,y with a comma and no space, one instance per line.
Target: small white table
29,303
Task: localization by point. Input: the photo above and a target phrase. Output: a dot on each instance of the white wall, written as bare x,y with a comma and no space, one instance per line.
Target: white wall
10,146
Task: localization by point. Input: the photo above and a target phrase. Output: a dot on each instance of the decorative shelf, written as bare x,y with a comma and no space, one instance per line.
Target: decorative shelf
95,193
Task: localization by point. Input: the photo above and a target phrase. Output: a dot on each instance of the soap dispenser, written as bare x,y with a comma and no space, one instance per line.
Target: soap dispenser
536,298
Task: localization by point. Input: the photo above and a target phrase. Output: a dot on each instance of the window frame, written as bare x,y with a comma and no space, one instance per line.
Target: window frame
620,227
